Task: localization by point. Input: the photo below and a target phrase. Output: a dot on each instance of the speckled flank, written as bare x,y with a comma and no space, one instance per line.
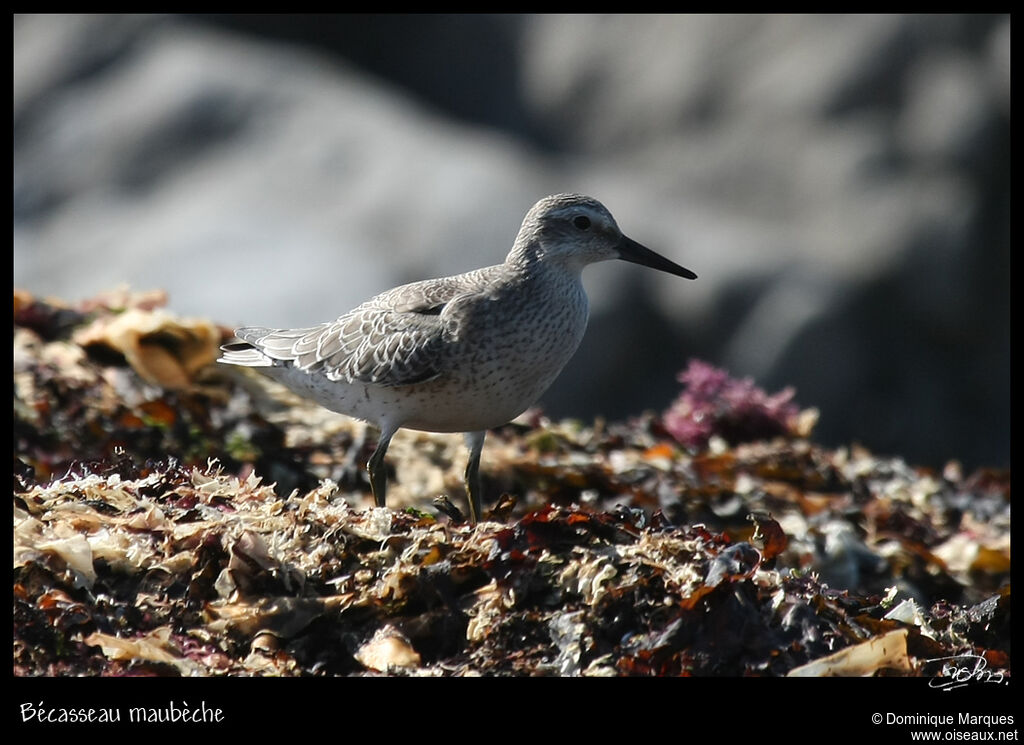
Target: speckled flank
455,354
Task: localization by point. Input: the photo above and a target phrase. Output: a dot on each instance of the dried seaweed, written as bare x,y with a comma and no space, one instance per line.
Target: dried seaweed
214,528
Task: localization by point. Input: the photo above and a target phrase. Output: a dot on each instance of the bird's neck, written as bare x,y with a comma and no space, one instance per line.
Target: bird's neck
532,261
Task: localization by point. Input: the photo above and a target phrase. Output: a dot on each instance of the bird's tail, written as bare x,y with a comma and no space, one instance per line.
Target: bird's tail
245,354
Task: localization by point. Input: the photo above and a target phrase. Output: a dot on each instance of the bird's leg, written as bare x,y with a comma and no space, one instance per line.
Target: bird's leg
376,468
475,443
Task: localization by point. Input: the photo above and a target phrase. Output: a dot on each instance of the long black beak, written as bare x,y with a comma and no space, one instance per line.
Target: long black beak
630,250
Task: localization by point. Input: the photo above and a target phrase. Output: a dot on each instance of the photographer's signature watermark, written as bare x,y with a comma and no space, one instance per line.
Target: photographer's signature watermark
961,670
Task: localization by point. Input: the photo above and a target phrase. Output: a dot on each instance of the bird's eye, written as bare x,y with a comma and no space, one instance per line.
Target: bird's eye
582,222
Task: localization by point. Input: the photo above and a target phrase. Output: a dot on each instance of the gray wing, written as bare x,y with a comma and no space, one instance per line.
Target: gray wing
397,338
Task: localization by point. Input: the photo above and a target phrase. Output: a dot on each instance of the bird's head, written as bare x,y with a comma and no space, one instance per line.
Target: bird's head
574,230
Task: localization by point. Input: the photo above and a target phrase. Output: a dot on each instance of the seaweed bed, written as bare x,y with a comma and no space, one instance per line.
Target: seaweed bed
173,518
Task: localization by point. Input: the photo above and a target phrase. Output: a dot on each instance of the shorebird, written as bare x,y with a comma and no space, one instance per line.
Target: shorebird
465,353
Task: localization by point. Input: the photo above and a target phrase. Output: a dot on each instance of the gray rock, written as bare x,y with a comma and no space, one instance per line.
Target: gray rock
839,183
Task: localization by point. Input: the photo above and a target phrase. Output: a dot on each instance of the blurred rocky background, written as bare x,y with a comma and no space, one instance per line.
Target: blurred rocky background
839,183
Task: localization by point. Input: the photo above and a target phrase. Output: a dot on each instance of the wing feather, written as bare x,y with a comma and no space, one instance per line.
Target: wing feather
396,338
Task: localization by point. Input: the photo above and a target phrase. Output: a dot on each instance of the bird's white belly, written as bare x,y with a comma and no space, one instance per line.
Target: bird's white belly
435,406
